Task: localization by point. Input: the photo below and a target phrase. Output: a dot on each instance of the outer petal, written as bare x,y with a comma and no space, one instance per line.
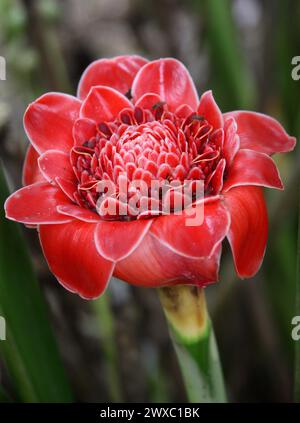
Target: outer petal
209,109
153,264
168,78
55,163
117,73
103,104
31,171
36,204
189,238
48,121
116,240
252,168
248,230
262,133
73,258
79,213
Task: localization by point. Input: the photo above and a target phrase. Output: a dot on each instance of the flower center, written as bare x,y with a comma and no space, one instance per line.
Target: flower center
149,148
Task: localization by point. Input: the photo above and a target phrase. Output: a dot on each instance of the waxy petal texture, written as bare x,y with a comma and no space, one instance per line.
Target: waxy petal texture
153,264
55,163
261,133
83,130
66,186
252,168
31,171
170,80
103,104
49,121
148,101
117,73
79,213
231,140
248,230
73,258
117,240
36,204
217,177
209,109
184,235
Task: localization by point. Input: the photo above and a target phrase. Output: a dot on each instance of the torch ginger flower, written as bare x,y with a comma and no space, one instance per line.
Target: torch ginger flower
135,120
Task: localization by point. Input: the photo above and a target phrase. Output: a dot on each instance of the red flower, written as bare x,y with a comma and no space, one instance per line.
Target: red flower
135,120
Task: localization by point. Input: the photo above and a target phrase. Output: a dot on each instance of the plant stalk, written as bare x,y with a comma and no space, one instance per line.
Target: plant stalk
194,342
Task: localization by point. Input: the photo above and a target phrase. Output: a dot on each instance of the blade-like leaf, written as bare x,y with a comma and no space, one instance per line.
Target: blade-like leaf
29,351
231,78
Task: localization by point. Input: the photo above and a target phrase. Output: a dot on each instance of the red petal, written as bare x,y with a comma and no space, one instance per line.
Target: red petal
262,133
49,120
183,111
66,186
31,171
116,240
209,109
168,78
231,140
78,213
103,104
117,73
147,101
36,204
216,181
73,258
252,168
185,236
248,230
153,264
83,130
55,163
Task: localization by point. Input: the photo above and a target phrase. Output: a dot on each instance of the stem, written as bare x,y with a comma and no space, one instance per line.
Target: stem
194,341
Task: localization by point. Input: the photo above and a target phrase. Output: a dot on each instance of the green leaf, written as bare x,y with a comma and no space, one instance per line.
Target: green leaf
30,350
231,79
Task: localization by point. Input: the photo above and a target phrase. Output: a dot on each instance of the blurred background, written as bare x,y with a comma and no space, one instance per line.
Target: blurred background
62,348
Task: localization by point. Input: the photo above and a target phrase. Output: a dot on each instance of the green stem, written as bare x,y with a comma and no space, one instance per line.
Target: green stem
30,350
194,341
